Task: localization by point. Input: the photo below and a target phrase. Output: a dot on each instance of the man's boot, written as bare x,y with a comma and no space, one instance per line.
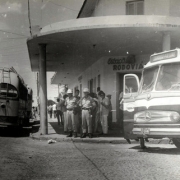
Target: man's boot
70,134
75,135
83,135
90,135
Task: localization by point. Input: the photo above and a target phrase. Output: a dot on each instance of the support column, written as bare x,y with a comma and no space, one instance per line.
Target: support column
43,89
166,42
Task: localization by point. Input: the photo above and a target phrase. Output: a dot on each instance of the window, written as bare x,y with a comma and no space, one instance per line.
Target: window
135,8
169,78
94,86
148,80
8,91
131,85
91,85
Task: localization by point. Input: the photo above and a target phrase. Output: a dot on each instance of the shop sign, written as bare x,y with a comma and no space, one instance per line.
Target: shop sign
128,67
121,64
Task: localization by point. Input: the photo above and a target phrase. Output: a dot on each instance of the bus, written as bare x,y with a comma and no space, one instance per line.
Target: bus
15,99
154,102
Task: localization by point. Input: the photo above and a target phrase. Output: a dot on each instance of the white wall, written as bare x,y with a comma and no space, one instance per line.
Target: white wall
157,7
151,7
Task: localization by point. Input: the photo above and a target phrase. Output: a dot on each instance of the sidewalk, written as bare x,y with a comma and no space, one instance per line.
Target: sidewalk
114,136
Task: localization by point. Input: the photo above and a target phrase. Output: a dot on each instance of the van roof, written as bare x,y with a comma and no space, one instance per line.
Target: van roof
164,57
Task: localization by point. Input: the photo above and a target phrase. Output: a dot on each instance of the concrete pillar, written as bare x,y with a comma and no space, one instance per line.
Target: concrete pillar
166,42
43,89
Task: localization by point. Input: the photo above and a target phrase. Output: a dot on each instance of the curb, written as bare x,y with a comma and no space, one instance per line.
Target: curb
98,140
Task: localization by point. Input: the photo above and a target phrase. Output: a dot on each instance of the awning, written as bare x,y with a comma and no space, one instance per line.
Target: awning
72,46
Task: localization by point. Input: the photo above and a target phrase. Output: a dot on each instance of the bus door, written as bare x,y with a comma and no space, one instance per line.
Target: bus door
127,104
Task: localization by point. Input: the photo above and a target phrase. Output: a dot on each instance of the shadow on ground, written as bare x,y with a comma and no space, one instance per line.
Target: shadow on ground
158,150
115,132
20,132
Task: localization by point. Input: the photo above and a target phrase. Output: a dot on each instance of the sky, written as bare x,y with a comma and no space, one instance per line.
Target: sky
14,31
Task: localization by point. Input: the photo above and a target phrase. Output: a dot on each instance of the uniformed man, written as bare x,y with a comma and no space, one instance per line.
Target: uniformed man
87,104
71,104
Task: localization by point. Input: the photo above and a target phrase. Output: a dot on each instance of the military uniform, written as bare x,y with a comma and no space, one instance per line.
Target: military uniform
87,103
70,104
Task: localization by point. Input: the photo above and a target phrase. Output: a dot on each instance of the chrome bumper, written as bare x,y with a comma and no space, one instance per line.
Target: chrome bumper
156,131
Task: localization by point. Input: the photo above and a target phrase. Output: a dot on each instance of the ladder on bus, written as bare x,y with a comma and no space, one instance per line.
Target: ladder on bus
5,78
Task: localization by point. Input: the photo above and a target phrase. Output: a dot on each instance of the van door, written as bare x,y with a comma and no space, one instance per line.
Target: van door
130,91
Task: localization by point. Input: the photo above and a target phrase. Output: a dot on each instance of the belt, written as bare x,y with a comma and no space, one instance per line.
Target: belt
85,108
70,109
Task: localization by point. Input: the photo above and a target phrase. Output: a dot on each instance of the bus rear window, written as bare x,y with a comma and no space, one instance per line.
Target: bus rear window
8,91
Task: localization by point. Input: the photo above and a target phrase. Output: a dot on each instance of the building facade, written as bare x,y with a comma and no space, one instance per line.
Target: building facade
107,72
108,39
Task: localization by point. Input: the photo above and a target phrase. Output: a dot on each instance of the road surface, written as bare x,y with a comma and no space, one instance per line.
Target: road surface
23,158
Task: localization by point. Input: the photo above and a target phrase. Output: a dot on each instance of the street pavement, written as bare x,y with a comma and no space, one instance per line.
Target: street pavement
24,158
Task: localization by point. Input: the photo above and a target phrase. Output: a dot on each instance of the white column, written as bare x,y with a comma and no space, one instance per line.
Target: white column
166,41
43,89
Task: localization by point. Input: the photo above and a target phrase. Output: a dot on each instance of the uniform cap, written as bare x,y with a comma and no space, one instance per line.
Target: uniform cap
69,91
86,90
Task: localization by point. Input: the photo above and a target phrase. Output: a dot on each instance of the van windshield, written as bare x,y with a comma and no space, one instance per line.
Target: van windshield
169,78
148,79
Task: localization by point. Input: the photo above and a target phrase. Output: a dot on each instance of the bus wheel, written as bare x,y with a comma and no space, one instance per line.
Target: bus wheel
142,143
177,143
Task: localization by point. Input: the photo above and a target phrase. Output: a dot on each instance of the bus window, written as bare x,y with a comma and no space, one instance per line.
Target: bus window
8,90
169,78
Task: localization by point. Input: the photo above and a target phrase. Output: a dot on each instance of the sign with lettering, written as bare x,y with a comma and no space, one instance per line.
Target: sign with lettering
127,67
120,64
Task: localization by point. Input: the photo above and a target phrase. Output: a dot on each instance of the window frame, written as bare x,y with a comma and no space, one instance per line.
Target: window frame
135,7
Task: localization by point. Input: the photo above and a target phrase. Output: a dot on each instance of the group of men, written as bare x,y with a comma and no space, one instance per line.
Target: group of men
86,112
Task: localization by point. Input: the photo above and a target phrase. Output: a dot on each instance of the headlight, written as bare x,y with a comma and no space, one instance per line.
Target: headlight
175,117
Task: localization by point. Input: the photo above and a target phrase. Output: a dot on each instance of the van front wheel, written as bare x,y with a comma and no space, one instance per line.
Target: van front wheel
177,142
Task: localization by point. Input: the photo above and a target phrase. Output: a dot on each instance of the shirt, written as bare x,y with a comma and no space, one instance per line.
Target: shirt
60,104
87,102
70,103
54,107
105,110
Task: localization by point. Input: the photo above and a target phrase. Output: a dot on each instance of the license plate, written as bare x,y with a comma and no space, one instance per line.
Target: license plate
145,130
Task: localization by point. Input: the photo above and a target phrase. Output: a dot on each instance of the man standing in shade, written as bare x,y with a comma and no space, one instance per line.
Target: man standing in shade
71,104
77,112
110,113
104,111
59,112
87,104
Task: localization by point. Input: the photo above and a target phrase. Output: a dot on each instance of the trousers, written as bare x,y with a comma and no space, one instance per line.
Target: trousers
65,121
104,123
86,121
59,115
71,121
